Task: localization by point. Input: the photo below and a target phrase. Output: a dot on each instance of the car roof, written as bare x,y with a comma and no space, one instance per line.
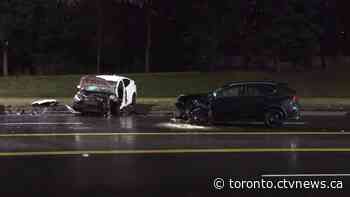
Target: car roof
114,78
265,82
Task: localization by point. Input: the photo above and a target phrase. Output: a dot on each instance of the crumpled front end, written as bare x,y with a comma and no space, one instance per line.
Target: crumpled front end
189,106
86,102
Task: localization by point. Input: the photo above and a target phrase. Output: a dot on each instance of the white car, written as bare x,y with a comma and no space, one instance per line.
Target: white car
104,94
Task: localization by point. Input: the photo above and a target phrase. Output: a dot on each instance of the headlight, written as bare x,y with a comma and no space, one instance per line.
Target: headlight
195,102
112,97
178,98
99,99
77,98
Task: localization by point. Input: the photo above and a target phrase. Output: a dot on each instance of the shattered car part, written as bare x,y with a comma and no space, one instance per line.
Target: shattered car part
40,107
104,94
45,102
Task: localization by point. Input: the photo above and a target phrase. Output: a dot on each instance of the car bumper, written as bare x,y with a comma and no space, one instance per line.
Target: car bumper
294,114
89,108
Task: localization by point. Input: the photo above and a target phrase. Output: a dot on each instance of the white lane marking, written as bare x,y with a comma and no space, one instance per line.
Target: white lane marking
39,123
305,175
170,134
323,113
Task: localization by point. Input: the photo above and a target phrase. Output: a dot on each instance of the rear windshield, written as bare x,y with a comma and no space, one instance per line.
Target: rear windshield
94,84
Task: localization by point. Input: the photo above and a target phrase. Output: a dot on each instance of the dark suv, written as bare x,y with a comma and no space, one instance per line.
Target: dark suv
269,101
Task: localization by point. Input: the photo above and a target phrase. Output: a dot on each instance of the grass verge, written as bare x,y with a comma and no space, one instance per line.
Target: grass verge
318,89
165,85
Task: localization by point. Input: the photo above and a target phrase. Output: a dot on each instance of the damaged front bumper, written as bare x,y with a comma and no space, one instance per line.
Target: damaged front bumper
90,107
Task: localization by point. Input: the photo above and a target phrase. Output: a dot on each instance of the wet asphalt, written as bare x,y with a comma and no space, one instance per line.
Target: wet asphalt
151,155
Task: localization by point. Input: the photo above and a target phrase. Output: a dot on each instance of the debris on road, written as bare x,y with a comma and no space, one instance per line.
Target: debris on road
44,103
39,107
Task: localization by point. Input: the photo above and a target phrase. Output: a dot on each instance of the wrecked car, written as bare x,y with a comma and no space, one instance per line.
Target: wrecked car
269,101
104,94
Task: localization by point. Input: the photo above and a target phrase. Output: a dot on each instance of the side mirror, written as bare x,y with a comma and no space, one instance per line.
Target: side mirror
78,86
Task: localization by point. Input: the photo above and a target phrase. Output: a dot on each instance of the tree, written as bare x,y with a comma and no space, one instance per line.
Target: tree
14,19
290,29
100,9
208,25
5,26
36,32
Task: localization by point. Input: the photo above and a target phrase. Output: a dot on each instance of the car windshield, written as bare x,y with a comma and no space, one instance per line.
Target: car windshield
95,84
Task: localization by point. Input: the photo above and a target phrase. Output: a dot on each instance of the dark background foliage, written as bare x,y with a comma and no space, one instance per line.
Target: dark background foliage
121,36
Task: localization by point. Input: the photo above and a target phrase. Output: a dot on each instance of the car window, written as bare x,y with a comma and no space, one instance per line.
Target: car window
126,82
260,90
230,91
120,90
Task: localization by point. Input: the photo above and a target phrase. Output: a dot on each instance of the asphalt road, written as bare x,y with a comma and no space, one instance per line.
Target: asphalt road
314,121
66,155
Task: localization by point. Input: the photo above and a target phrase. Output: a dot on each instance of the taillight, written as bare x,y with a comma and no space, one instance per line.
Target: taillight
295,99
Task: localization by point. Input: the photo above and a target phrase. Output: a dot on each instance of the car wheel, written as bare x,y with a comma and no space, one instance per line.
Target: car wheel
115,108
133,102
274,118
187,110
199,116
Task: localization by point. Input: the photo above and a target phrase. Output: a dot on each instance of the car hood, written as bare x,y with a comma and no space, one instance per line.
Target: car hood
203,97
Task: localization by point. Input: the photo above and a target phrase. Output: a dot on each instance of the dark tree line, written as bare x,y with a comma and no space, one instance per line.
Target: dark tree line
110,36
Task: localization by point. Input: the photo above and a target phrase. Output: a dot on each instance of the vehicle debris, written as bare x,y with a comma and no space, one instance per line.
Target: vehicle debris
39,107
44,102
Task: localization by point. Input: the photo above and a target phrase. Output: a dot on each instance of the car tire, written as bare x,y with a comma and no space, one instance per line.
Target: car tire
274,118
115,108
133,102
187,109
199,116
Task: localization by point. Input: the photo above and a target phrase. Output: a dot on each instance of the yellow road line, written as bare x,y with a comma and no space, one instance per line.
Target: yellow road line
172,151
23,134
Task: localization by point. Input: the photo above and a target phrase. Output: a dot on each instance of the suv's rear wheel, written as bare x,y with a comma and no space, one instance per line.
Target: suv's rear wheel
133,102
274,118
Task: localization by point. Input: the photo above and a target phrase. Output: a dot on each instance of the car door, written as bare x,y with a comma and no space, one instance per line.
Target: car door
128,91
121,94
226,103
257,97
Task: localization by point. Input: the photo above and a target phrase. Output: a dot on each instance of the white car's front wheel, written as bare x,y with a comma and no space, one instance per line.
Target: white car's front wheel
115,108
133,102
